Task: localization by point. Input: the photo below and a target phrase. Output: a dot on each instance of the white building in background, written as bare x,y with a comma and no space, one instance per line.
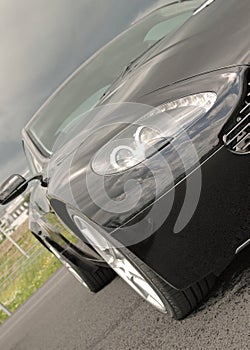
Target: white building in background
14,215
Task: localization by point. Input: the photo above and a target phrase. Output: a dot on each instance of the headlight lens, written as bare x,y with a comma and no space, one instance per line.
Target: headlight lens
122,157
144,135
151,133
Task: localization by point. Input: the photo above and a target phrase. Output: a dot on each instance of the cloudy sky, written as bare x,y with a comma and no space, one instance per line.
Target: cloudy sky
42,42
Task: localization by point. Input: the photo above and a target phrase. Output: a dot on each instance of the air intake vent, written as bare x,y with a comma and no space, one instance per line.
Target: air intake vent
237,139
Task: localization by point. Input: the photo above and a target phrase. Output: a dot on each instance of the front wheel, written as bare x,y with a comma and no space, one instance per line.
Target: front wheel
178,304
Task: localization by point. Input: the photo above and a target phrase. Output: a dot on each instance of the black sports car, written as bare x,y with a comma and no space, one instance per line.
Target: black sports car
143,155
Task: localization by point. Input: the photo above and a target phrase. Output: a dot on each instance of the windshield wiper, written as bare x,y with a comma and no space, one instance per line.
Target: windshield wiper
129,67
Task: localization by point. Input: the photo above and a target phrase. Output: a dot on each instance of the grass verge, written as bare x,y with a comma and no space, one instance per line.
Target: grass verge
21,277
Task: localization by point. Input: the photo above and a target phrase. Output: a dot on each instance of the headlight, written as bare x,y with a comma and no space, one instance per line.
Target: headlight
151,133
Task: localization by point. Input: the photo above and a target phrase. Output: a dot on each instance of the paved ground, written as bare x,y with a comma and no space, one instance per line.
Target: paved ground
64,316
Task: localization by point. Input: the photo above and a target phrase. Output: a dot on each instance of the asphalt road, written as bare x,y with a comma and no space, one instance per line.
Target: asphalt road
63,315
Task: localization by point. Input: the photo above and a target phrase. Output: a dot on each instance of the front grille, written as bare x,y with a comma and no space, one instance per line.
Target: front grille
237,138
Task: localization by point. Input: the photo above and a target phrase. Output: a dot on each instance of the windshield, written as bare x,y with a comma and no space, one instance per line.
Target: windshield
83,91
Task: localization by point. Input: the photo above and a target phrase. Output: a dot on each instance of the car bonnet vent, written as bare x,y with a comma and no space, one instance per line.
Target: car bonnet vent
237,139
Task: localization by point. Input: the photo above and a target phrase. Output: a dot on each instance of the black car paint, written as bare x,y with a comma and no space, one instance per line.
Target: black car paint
80,255
203,246
209,53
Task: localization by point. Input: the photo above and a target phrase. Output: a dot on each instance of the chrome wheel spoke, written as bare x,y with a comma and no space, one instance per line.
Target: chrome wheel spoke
142,290
126,270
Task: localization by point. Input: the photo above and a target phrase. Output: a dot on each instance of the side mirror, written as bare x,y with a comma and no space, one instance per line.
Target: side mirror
12,188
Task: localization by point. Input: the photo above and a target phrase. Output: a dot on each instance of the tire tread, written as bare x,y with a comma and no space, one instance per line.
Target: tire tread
180,303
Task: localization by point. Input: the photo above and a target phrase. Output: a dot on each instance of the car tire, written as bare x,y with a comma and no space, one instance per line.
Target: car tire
98,279
181,303
94,280
178,303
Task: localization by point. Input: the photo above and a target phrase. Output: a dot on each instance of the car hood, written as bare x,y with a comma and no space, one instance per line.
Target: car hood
176,68
70,170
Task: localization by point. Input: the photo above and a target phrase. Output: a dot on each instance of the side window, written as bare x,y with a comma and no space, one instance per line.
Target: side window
164,28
